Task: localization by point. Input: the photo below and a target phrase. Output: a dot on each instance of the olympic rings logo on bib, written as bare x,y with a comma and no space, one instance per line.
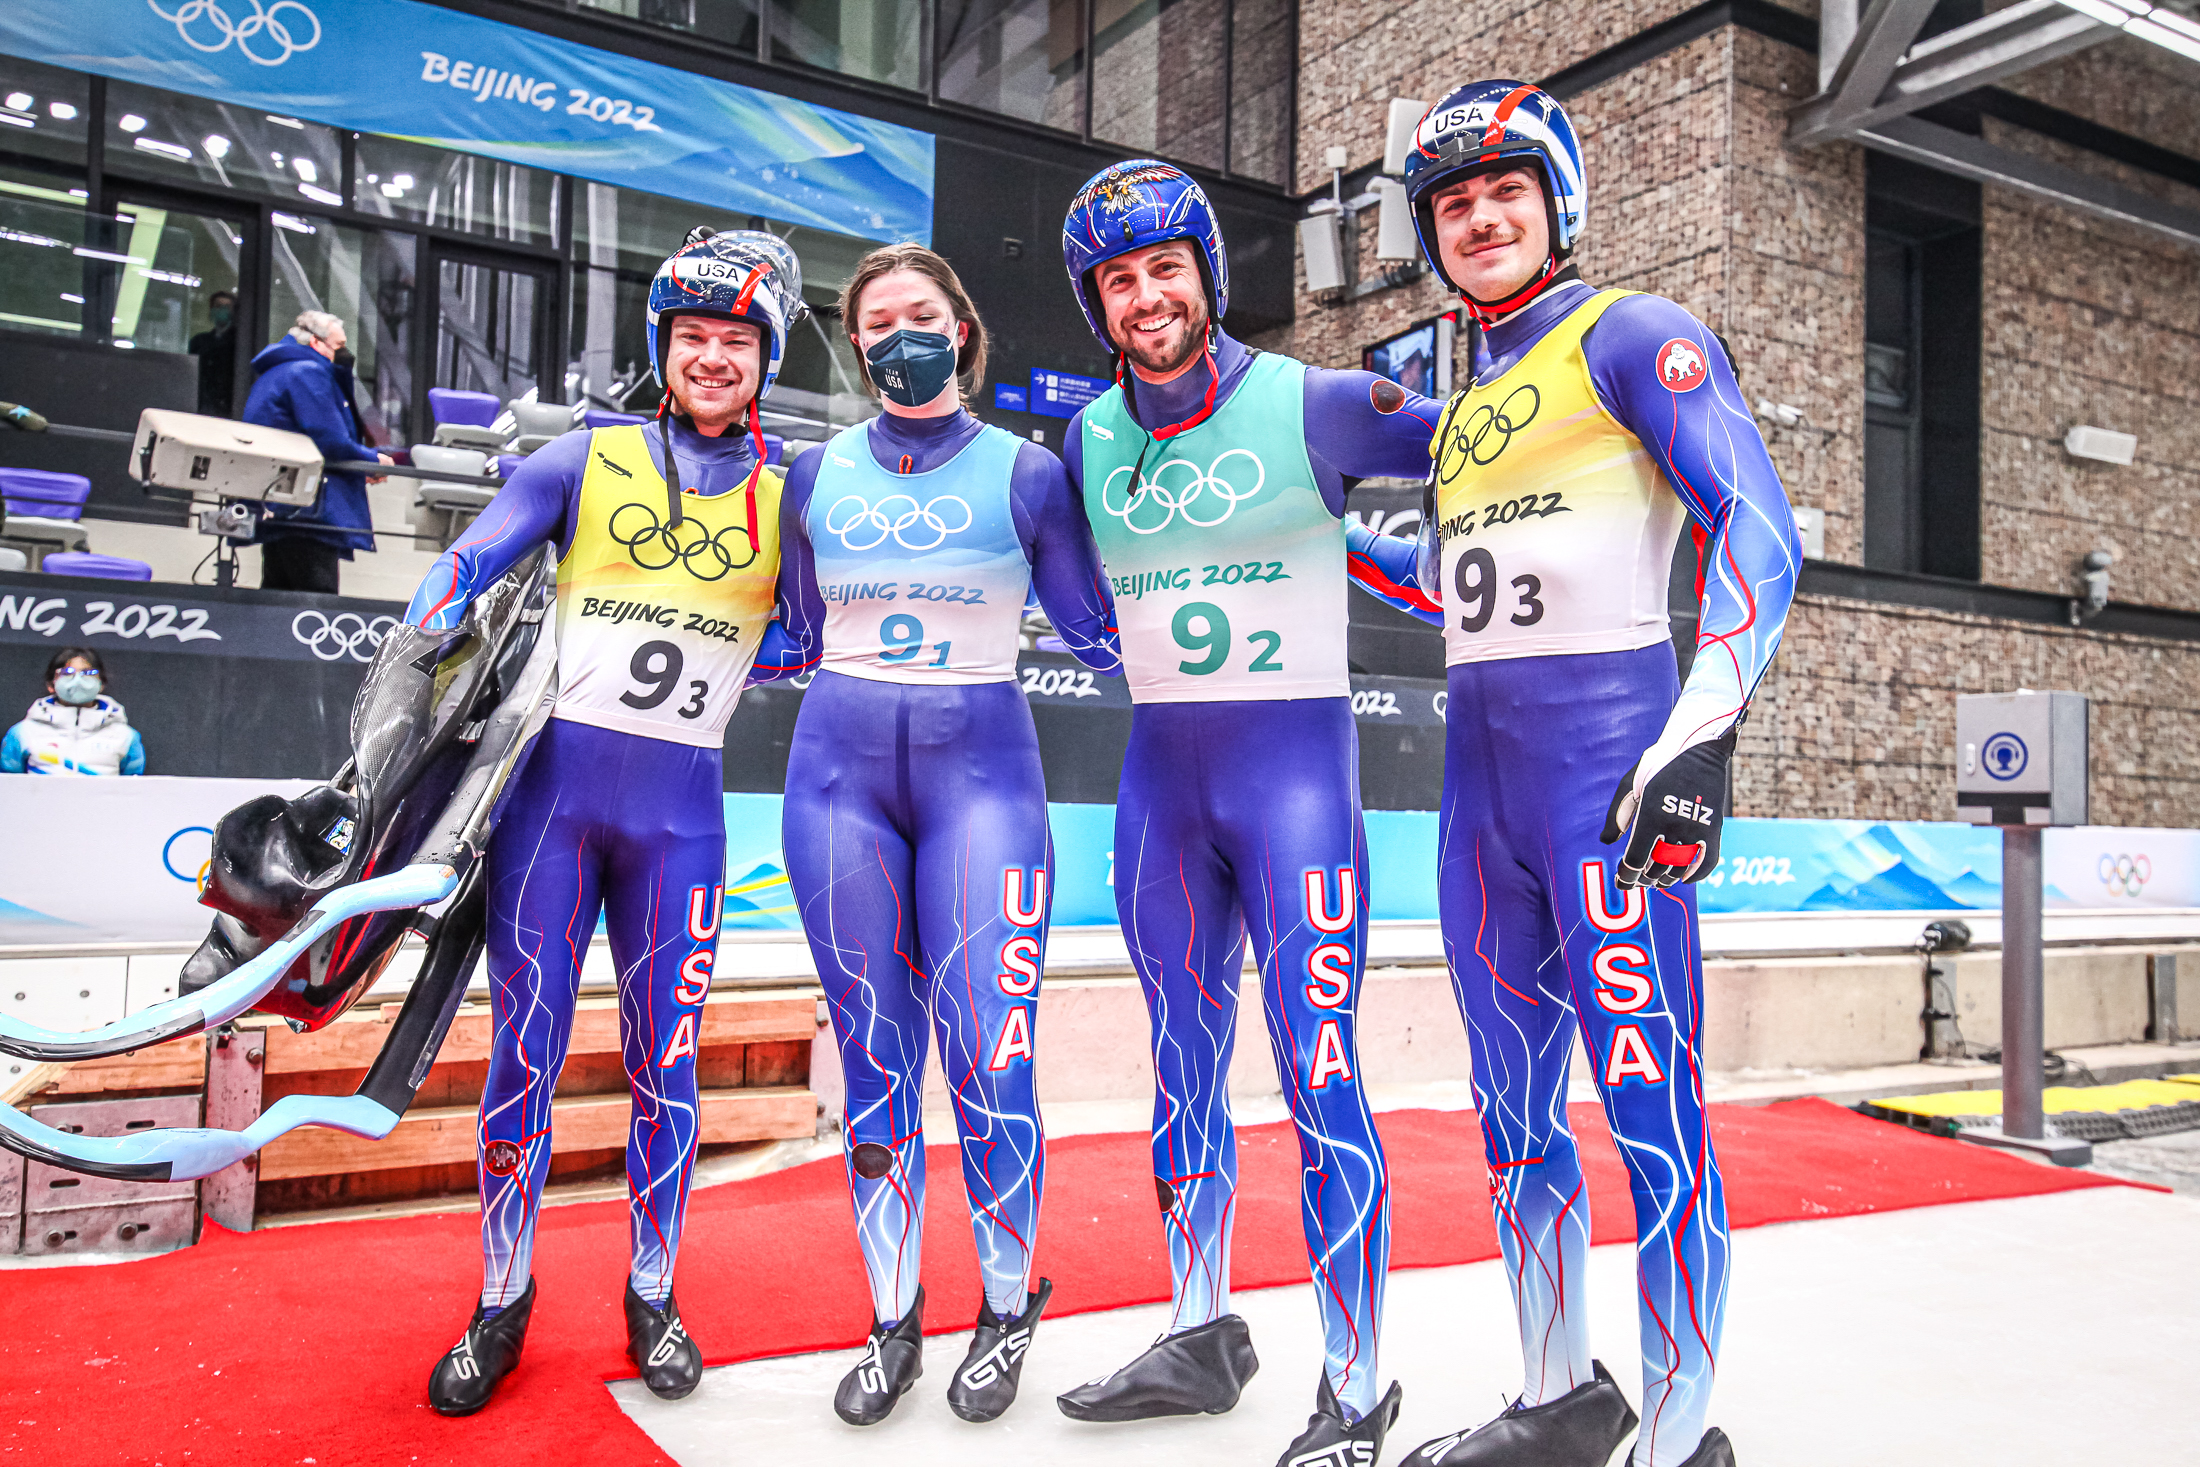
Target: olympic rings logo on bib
1204,501
655,546
1485,432
869,525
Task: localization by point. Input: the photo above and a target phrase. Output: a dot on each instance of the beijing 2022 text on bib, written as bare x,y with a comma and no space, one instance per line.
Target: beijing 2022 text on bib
924,575
1227,567
1557,525
658,623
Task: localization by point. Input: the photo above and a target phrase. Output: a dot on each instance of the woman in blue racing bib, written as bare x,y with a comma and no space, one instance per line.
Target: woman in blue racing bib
916,824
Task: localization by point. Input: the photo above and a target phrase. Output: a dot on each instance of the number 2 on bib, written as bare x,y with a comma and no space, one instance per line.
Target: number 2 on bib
1202,626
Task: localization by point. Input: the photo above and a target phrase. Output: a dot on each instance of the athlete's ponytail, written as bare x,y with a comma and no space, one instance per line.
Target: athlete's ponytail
969,358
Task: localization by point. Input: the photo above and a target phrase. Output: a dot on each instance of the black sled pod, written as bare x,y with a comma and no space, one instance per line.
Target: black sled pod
316,892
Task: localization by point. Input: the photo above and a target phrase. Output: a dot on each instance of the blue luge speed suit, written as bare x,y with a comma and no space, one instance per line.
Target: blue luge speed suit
620,809
1597,423
916,821
1240,805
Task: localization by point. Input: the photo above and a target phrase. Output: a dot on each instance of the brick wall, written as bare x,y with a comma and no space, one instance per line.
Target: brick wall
1857,719
1694,194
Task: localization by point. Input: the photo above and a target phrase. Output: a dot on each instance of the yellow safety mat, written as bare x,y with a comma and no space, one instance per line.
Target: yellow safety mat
2096,1113
2130,1095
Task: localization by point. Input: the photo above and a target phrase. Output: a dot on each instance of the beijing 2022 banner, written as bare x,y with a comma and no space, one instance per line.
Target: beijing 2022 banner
436,76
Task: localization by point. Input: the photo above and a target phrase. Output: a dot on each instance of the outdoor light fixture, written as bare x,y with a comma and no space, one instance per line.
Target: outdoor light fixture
21,101
1321,240
2102,444
61,110
130,122
216,145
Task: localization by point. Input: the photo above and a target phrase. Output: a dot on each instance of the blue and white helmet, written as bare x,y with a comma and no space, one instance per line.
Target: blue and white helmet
1488,122
736,274
1129,205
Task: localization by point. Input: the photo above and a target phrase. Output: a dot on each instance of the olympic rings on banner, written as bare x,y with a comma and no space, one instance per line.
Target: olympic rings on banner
346,634
875,521
1183,497
656,547
2126,874
266,21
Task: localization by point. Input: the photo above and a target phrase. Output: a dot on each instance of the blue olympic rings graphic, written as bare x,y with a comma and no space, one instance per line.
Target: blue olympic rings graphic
167,856
261,22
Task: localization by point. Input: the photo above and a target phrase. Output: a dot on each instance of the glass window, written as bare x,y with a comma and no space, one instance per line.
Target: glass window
1157,77
366,278
730,21
168,135
434,186
172,266
486,334
1025,58
1261,37
878,40
42,273
44,114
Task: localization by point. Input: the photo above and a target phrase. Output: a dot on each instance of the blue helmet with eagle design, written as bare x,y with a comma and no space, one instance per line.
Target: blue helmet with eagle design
1129,205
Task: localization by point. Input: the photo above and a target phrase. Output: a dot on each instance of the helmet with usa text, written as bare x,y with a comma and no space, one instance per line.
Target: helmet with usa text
1129,205
1486,125
732,274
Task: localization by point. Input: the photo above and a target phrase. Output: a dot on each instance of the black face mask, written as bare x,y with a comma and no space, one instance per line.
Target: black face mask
343,358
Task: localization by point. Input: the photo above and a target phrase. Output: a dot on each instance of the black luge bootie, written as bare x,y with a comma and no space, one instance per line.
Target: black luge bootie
1201,1371
1329,1441
1580,1429
891,1363
1713,1451
985,1385
660,1347
466,1377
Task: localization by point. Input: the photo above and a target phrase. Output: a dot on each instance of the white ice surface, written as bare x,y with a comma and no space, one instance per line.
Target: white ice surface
2048,1330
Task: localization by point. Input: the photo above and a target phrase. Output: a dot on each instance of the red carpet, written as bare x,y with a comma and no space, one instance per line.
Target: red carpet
313,1344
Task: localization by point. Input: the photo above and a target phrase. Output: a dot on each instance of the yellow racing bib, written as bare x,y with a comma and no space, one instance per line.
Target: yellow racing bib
1557,526
658,623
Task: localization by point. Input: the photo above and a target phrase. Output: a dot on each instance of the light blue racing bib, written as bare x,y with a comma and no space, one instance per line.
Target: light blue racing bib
924,575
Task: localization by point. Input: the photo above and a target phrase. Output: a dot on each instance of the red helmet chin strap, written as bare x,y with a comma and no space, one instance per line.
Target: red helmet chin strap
756,436
1491,312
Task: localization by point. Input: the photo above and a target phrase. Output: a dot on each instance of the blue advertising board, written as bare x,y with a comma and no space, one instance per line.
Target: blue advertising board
1008,399
1061,394
436,76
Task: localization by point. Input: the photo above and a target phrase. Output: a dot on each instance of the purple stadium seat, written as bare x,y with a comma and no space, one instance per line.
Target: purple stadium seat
105,567
473,409
44,495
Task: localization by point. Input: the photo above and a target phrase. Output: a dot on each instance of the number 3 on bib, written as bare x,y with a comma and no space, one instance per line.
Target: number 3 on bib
1202,626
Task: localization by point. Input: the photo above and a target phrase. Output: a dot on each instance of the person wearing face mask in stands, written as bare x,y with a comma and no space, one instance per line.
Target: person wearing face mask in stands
76,728
916,819
216,349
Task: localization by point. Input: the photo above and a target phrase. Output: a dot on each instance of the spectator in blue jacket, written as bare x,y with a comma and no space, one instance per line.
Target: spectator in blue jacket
301,388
